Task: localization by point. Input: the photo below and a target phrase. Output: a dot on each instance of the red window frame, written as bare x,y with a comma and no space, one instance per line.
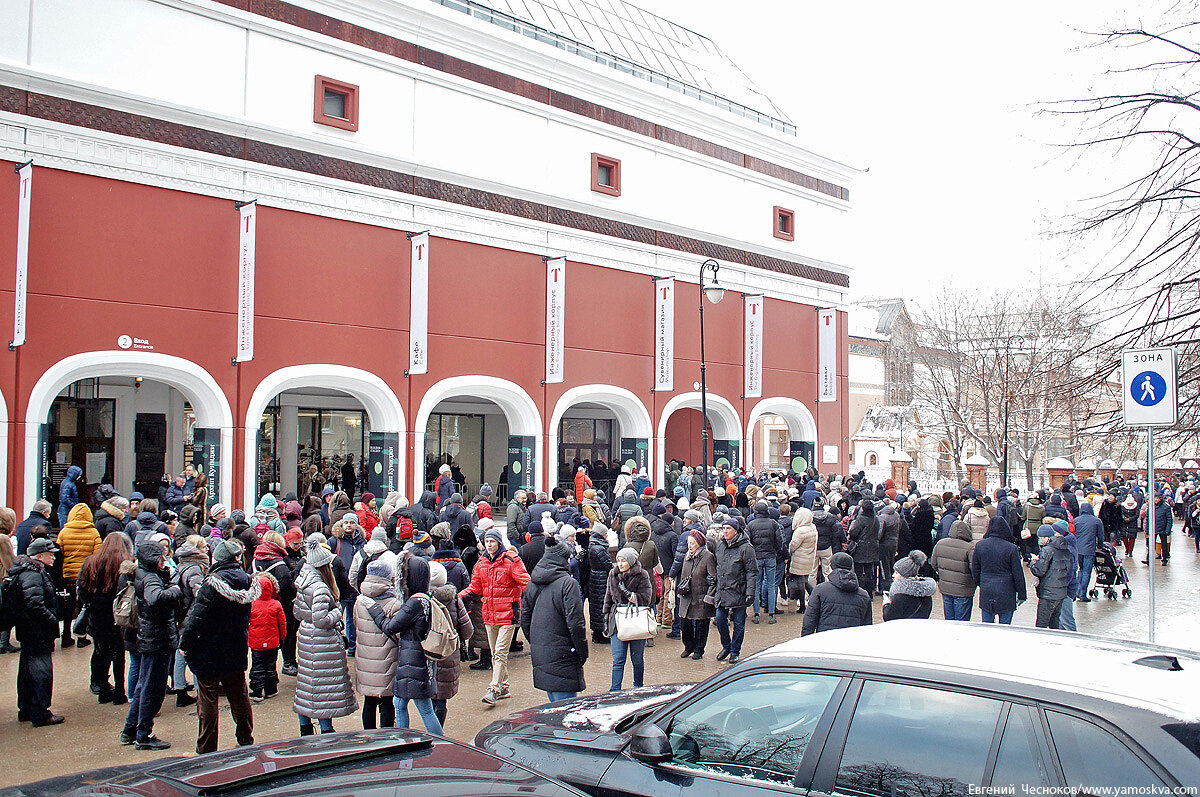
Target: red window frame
614,166
779,214
350,91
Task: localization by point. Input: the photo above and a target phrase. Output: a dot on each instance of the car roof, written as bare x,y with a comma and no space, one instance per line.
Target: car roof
1095,666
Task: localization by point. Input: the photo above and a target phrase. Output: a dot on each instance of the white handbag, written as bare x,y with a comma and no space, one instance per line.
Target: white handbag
635,622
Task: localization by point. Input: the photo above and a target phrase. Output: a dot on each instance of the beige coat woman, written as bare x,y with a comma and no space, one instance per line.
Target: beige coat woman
803,545
375,651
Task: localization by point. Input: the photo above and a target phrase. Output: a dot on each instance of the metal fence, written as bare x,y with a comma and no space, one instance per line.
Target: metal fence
933,481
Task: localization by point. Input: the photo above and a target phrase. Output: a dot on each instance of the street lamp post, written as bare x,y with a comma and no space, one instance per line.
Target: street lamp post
715,293
1020,359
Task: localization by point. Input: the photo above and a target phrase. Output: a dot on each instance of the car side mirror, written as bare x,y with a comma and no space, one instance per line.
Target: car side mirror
650,744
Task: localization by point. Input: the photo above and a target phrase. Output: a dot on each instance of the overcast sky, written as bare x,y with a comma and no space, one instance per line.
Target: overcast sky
939,101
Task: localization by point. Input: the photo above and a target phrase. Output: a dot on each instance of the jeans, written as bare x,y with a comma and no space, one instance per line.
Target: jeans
35,683
767,588
383,707
179,674
1086,563
233,684
424,709
635,650
351,633
738,615
325,725
957,608
554,697
1066,616
146,697
1005,618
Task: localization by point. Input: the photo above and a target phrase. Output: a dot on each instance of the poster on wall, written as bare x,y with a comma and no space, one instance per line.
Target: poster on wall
248,225
827,355
726,453
520,462
24,191
382,448
635,452
556,308
752,363
206,459
664,334
418,314
829,455
801,455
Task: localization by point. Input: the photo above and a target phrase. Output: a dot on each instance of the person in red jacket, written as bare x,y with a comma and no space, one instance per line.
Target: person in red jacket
499,579
582,481
368,515
268,627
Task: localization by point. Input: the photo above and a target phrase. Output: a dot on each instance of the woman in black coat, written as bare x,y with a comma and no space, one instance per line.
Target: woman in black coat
920,536
599,563
410,626
997,569
864,536
553,622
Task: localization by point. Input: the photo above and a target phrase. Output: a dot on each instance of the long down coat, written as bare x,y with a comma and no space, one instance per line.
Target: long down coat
448,669
553,622
374,651
323,689
600,563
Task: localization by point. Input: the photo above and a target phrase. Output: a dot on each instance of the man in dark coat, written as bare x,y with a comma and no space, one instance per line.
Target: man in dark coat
1052,566
1089,533
36,525
764,537
552,620
996,568
737,574
838,602
111,516
36,623
157,639
215,640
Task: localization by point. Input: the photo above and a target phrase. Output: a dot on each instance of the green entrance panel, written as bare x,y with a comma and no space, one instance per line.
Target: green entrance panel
383,450
206,459
727,454
802,455
520,462
635,452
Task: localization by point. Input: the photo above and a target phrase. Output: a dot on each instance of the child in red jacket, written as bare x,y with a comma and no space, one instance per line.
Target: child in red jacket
268,627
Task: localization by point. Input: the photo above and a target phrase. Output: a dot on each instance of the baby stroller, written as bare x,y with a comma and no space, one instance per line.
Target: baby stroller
1110,574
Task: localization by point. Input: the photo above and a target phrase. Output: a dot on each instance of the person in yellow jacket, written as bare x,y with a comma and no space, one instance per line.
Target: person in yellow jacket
77,540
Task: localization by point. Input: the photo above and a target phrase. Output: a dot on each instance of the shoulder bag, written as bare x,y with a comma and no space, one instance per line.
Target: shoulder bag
635,622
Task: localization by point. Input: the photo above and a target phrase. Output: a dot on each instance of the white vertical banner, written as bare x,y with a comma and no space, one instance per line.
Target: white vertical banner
556,308
248,224
25,189
752,363
827,355
664,334
418,335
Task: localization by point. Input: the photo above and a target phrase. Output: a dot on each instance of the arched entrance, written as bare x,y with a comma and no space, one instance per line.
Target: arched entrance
485,424
726,438
800,450
147,427
317,414
592,421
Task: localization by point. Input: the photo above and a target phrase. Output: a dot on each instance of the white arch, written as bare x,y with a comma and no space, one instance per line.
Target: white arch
380,401
726,424
519,409
203,393
800,422
631,414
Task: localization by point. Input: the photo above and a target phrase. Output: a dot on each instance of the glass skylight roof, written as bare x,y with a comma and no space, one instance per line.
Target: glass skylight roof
624,37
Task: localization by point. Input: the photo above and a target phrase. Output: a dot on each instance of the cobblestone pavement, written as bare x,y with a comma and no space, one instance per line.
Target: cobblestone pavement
88,738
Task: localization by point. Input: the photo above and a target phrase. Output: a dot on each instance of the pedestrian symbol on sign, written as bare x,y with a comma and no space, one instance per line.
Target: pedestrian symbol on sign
1148,388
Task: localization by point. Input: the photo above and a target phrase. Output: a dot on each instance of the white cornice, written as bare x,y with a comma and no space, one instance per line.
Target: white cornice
59,146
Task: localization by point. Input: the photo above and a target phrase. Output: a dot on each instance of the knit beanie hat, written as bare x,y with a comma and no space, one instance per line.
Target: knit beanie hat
268,502
699,537
293,536
678,491
367,498
381,568
456,498
485,524
909,566
492,534
226,550
440,531
318,553
218,511
589,493
437,575
629,555
692,516
485,490
421,539
548,524
842,561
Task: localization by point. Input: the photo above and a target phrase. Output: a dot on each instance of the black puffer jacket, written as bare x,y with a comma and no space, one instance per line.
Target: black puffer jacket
108,519
410,627
829,531
665,539
599,563
763,532
37,615
156,602
865,531
1053,569
215,633
838,602
737,571
889,528
553,622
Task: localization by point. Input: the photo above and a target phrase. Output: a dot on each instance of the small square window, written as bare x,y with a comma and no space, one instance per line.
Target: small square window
606,175
785,221
335,103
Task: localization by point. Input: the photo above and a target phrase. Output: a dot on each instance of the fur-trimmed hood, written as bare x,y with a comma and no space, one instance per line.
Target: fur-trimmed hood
220,580
919,587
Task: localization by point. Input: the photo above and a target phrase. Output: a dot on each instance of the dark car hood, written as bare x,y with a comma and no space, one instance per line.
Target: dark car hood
584,719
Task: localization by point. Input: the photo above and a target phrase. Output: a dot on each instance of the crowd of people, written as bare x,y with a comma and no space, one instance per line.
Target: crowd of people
388,601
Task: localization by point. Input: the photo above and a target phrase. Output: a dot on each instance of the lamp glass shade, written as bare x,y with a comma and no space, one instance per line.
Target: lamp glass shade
715,293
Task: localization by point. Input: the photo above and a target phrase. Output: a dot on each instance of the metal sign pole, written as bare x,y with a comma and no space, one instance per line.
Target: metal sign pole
1150,536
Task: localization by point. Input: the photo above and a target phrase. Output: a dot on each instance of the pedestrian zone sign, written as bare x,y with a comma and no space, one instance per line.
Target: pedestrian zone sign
1148,387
